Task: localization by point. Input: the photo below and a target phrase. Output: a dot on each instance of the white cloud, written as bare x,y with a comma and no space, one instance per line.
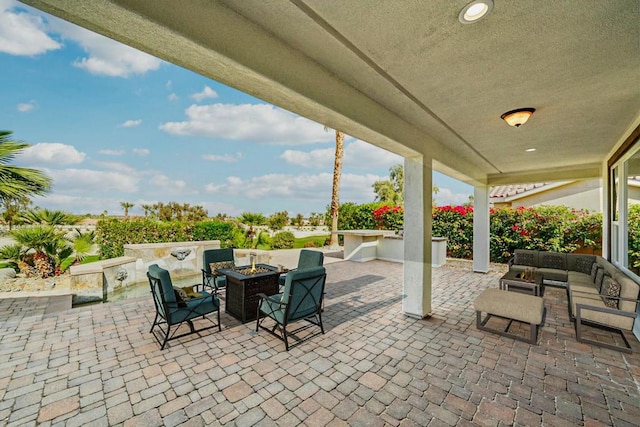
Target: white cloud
363,154
80,204
89,181
321,158
131,123
51,153
25,107
105,56
357,154
169,85
357,188
173,97
111,152
141,151
248,122
23,33
206,93
117,166
227,158
170,186
446,197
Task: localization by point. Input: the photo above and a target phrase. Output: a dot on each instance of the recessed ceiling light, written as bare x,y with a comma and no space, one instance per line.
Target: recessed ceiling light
530,150
475,11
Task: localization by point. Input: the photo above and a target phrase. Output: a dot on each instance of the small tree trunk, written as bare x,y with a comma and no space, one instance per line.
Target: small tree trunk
335,197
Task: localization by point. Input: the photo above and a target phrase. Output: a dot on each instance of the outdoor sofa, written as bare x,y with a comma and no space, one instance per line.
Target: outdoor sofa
599,294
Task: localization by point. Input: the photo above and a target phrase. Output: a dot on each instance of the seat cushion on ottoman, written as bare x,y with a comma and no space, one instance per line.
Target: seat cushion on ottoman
510,305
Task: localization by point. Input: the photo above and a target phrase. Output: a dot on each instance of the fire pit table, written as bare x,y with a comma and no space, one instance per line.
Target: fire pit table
521,282
243,286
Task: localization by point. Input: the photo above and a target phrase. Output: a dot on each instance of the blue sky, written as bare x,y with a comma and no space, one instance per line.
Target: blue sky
111,124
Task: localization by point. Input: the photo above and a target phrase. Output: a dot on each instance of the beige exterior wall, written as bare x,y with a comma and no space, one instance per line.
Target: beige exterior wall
577,195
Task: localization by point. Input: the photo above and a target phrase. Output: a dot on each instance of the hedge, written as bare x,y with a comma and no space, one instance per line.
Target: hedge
113,234
552,228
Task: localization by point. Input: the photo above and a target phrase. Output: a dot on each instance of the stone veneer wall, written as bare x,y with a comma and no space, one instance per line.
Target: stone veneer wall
96,280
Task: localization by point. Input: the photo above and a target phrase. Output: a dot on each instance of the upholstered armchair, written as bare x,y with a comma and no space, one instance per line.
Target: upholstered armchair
174,307
218,259
300,300
306,259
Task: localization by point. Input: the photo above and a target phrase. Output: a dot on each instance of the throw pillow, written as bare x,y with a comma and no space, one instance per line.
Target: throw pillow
181,296
191,293
215,266
610,288
524,258
594,270
584,265
599,278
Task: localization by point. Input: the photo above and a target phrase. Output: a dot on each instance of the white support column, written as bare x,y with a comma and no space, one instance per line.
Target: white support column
417,237
481,232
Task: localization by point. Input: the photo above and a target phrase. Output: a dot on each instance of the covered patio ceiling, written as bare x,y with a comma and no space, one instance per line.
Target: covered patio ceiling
408,76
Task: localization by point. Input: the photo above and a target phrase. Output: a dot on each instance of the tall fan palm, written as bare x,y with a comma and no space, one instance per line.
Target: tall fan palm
335,189
16,181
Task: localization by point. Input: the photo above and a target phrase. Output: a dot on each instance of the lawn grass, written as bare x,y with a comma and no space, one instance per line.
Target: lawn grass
317,240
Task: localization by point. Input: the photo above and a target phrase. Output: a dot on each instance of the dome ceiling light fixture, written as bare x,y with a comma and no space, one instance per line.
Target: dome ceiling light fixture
475,11
517,118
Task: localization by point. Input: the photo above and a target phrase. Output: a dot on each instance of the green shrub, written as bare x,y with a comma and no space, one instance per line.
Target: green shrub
356,217
112,234
634,238
214,230
283,240
552,228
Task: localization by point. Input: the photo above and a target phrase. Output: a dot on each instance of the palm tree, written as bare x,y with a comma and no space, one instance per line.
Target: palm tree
44,240
126,206
335,189
82,244
251,219
48,217
17,182
147,209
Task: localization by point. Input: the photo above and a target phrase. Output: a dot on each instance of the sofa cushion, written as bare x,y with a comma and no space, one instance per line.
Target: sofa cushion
594,269
610,288
628,289
580,279
526,257
580,262
553,274
609,268
608,319
552,260
599,278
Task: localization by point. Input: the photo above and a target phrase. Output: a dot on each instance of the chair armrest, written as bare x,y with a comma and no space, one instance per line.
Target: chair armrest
609,310
265,296
512,260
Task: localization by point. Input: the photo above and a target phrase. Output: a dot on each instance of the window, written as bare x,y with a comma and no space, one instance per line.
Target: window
624,209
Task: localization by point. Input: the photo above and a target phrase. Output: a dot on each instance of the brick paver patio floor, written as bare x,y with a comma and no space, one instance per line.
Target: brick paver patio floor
375,366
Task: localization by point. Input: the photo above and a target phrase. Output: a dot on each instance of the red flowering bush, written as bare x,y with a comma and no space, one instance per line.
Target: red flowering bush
553,228
389,217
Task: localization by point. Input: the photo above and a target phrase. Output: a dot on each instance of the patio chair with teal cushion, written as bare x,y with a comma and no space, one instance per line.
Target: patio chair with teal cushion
301,300
213,260
172,309
306,259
